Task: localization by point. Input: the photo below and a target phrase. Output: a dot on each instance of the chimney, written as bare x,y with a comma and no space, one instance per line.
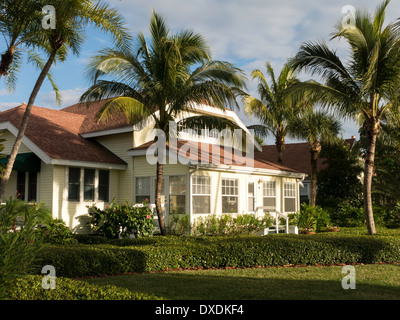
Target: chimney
353,137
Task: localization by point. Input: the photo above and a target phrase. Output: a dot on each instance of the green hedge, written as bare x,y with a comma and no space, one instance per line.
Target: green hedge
163,253
30,288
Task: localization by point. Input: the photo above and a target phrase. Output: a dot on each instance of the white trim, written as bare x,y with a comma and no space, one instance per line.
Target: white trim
107,132
87,164
137,153
251,170
6,125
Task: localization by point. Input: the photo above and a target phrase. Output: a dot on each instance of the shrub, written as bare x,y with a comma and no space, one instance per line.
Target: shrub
229,225
30,288
391,217
179,224
19,242
164,253
347,215
122,220
311,218
55,231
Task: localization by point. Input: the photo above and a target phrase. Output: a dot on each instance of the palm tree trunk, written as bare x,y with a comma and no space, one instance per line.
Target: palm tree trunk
368,174
280,147
160,214
24,123
313,184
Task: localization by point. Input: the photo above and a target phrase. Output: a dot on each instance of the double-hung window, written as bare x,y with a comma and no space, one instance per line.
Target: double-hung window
230,195
74,182
89,184
251,197
142,189
177,194
289,193
27,185
201,194
269,195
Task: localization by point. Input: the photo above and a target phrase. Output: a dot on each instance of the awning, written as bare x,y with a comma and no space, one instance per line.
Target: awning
25,162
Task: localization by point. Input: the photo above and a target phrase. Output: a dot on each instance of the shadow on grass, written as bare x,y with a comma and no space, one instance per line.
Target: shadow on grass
193,285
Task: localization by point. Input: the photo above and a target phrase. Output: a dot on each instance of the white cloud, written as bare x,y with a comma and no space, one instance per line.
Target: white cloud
69,97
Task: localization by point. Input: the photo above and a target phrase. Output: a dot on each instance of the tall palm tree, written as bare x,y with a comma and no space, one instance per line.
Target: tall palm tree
316,127
21,32
365,87
72,17
274,108
160,79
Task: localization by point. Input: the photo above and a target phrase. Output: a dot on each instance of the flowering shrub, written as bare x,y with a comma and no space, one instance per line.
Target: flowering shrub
122,220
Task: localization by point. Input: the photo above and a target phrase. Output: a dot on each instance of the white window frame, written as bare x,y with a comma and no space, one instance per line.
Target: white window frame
205,186
269,192
253,198
81,186
176,194
236,187
289,193
147,195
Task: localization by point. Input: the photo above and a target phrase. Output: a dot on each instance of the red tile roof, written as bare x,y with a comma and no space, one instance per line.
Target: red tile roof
57,134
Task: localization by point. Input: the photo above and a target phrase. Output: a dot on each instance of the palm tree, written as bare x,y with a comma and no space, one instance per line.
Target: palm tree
316,127
274,108
160,80
21,32
366,87
72,17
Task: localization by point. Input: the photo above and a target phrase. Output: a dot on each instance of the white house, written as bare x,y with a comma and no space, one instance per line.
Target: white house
69,161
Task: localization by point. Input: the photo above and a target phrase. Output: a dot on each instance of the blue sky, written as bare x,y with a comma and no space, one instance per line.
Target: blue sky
244,32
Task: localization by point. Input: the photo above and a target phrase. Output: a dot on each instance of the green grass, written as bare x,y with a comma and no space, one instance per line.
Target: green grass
285,283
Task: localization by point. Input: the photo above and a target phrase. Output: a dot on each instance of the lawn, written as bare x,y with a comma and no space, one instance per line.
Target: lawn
377,282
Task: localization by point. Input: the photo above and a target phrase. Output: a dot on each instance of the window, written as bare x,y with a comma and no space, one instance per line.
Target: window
88,187
74,179
269,195
142,189
32,186
289,193
177,194
21,179
27,186
230,196
251,199
104,183
201,194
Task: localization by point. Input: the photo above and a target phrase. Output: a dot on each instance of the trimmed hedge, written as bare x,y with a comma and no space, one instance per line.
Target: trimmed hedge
30,288
163,253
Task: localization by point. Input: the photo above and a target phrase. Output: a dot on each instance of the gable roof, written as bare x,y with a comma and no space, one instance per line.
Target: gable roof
296,156
89,124
56,133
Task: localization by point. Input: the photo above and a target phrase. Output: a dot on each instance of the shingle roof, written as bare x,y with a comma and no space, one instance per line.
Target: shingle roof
209,155
90,124
296,156
56,133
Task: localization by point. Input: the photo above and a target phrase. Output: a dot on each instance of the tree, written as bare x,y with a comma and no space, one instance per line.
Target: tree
365,87
316,127
21,30
274,108
160,79
72,17
340,181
